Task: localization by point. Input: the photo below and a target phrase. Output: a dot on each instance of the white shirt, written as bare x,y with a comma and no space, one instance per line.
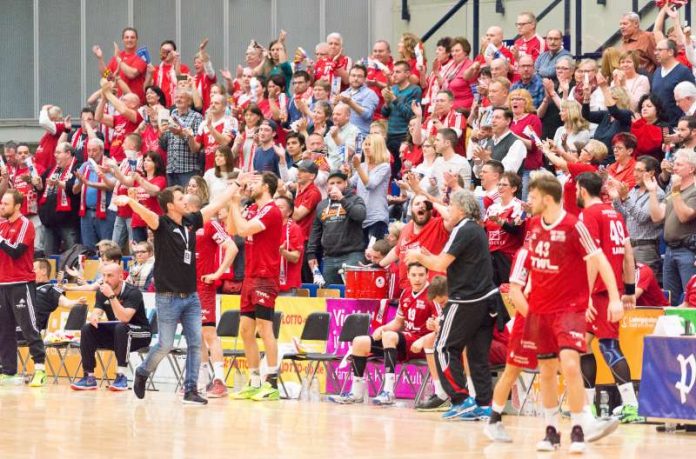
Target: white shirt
456,164
514,158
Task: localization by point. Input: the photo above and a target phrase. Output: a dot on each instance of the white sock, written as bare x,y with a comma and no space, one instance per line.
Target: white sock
389,382
578,419
551,417
273,370
470,386
254,377
203,375
628,394
590,395
357,389
498,408
219,370
439,391
121,370
39,367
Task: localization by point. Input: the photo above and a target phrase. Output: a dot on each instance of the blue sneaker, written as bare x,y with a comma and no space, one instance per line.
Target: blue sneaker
86,383
460,408
477,414
120,383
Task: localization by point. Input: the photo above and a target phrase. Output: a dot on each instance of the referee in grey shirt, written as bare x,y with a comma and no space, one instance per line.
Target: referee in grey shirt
634,205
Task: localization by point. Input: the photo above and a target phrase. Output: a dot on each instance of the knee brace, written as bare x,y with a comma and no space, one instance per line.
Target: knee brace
611,351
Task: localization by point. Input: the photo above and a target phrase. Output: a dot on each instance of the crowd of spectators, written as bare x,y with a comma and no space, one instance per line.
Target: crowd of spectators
356,141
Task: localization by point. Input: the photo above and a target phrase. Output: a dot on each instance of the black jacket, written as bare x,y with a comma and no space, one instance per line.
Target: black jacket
337,227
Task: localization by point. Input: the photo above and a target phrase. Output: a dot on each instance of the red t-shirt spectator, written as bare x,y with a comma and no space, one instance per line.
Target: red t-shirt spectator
461,88
30,204
649,139
376,74
164,77
207,141
532,47
690,293
569,190
149,201
47,145
623,174
652,293
134,84
534,159
307,197
291,273
122,127
433,237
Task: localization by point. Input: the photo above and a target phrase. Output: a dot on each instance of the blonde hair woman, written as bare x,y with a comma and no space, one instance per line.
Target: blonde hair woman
371,179
575,129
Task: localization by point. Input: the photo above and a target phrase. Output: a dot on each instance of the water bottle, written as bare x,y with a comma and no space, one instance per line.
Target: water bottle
314,395
670,427
318,278
604,405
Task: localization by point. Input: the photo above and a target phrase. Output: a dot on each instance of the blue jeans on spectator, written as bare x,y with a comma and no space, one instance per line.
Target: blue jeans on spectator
122,231
333,264
181,179
140,234
94,229
677,269
59,237
172,309
377,230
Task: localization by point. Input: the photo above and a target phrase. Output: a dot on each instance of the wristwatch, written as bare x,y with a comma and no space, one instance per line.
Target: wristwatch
110,298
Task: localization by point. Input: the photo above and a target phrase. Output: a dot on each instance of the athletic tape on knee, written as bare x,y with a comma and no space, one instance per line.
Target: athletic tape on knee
611,351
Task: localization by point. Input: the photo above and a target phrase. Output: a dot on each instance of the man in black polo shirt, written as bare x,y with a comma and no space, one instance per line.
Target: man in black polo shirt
467,320
126,327
175,281
49,296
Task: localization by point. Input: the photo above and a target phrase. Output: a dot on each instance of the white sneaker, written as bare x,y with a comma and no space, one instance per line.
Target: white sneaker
600,428
384,398
497,433
345,399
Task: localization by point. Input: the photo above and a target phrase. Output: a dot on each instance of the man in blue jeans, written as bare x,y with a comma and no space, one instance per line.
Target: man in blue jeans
678,213
175,281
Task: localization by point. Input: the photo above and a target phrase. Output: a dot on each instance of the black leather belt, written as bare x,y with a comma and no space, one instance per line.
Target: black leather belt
639,242
175,294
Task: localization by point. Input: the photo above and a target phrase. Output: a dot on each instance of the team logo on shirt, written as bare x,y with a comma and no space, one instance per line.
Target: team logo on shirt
558,236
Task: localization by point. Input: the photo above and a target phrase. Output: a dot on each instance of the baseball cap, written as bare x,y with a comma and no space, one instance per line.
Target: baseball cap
308,166
272,124
339,174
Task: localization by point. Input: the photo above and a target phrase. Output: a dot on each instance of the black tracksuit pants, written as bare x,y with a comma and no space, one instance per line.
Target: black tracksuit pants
120,338
17,308
470,326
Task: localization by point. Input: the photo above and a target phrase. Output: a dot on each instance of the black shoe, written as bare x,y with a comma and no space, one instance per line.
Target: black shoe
577,440
139,383
192,398
551,442
433,403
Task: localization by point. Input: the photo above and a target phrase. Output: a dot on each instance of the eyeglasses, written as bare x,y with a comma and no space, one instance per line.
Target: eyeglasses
562,68
554,38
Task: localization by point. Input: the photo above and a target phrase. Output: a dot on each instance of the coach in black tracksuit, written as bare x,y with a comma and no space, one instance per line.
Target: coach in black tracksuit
468,317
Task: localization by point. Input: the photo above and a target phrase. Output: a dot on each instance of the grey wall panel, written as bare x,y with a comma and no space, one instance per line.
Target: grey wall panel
105,19
200,20
59,54
248,19
155,21
17,59
351,19
300,18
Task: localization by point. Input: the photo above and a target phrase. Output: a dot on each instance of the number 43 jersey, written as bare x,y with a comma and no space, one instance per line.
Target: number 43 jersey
608,230
553,260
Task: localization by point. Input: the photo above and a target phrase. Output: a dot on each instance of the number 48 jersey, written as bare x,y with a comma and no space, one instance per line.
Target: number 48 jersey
608,230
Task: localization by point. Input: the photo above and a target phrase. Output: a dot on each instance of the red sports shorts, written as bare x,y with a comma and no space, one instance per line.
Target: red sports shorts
520,353
206,294
601,327
258,291
551,333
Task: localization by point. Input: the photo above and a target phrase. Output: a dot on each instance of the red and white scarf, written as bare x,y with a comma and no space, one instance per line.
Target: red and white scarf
101,196
63,204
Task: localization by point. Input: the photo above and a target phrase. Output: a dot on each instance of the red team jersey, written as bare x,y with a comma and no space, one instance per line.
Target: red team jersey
19,270
43,157
262,255
415,309
555,262
608,229
30,204
209,240
291,273
433,236
498,238
208,144
652,293
134,84
122,127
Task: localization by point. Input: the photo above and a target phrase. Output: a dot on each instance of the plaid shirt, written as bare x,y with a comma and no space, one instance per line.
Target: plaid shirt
180,159
636,212
535,88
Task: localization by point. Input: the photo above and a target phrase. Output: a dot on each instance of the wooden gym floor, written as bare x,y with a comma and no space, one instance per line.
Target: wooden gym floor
56,422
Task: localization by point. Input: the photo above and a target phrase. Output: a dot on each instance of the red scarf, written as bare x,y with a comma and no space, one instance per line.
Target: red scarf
101,197
63,204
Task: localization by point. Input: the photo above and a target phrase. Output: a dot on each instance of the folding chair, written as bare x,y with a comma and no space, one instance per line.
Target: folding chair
527,390
355,325
316,328
228,327
76,319
425,376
